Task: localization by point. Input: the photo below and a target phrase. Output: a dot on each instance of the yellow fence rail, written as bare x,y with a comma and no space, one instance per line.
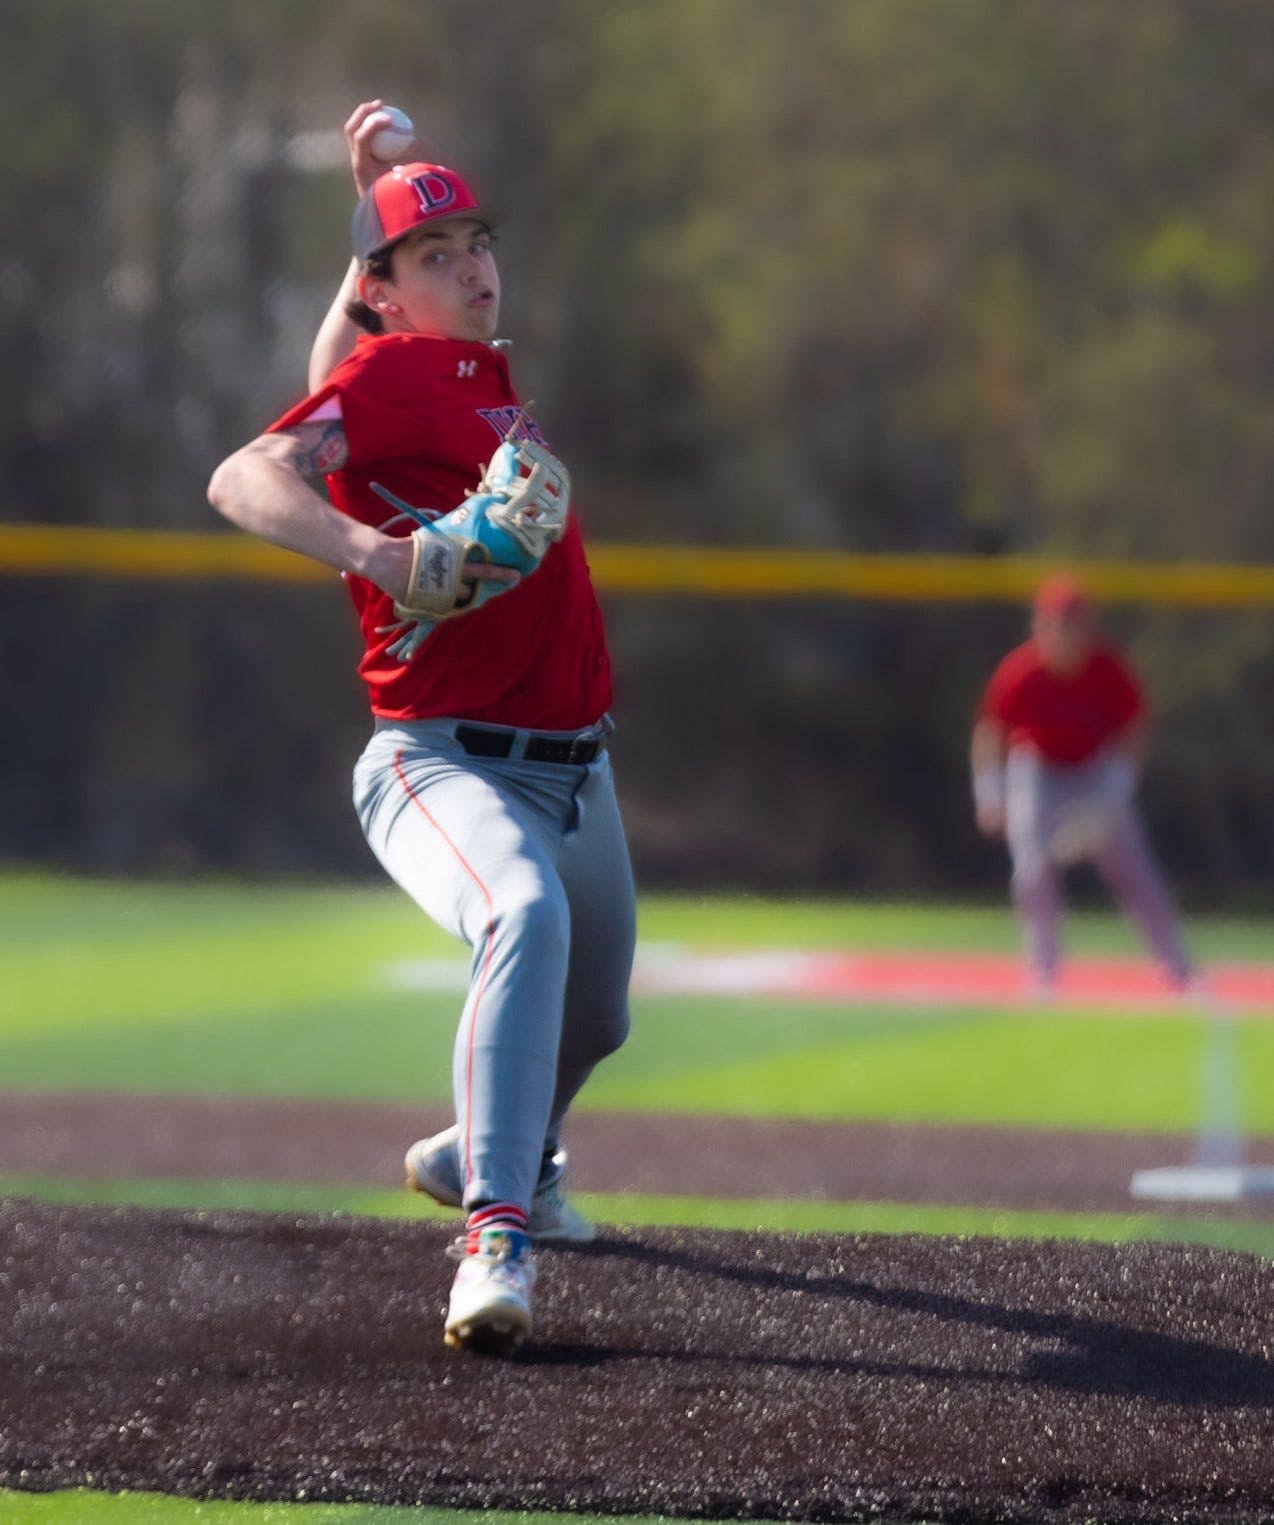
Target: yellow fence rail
665,570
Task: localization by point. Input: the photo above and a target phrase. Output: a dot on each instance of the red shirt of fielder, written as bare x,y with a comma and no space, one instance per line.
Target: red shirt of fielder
1066,715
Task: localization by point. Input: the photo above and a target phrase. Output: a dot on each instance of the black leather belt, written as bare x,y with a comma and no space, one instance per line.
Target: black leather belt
498,741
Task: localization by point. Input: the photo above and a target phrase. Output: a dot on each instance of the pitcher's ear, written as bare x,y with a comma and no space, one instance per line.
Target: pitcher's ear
373,291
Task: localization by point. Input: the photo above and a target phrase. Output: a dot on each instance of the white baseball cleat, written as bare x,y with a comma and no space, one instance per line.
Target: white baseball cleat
433,1168
490,1308
552,1219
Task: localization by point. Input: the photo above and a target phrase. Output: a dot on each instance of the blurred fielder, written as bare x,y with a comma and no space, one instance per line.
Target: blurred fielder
1056,750
485,789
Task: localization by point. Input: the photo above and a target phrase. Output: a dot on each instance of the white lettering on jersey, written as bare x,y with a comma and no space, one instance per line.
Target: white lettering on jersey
504,419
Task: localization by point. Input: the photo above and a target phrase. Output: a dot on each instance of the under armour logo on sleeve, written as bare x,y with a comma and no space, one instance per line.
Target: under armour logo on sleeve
467,368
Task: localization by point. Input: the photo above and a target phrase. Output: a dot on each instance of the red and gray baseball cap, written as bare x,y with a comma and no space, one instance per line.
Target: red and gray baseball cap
403,198
1062,594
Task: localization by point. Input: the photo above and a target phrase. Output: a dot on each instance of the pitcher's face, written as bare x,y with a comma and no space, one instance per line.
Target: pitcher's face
443,282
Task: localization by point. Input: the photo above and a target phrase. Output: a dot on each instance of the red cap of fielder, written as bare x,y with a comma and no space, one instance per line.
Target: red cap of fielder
403,198
1061,594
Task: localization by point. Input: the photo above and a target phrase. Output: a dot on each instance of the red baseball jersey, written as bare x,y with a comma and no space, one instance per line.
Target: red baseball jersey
422,416
1065,719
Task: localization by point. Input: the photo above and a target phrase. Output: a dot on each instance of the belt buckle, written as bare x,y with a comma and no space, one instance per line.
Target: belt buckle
583,748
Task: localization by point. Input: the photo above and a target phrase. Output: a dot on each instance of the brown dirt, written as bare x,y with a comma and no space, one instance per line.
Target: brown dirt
678,1371
346,1143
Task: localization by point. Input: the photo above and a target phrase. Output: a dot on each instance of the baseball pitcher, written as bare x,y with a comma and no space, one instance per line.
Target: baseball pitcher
485,789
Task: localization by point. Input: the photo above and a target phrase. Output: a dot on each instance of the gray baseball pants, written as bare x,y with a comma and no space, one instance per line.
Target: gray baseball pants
527,863
1037,793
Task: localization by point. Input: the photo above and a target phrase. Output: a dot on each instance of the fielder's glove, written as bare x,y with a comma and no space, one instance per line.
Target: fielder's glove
1084,825
517,510
1081,829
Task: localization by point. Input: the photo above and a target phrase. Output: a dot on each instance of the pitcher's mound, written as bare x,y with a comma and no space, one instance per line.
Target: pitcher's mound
672,1371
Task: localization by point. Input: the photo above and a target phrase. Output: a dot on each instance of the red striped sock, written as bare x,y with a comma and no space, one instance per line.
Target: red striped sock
493,1215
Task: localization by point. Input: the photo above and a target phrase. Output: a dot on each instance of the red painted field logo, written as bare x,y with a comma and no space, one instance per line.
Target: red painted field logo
936,982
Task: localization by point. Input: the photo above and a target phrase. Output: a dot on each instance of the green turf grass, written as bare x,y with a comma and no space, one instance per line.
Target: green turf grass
711,1054
82,1507
773,1215
42,909
208,988
1016,1068
752,921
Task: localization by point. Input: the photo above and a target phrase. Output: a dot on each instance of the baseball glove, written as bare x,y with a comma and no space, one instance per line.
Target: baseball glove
517,510
1083,825
1081,829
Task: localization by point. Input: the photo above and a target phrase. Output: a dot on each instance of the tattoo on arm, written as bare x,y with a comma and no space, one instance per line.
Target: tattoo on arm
314,449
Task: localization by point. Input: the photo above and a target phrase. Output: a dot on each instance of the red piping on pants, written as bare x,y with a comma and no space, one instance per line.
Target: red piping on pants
481,984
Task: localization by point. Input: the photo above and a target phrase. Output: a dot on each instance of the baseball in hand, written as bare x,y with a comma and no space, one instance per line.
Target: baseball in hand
393,136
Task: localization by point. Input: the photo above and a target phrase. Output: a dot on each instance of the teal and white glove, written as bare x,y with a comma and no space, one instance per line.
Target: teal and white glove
516,512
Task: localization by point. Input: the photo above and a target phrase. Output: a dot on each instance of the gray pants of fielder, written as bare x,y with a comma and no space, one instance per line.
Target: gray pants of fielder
527,863
1037,796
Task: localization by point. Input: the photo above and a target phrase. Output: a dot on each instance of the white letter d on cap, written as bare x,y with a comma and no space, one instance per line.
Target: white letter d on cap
434,192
